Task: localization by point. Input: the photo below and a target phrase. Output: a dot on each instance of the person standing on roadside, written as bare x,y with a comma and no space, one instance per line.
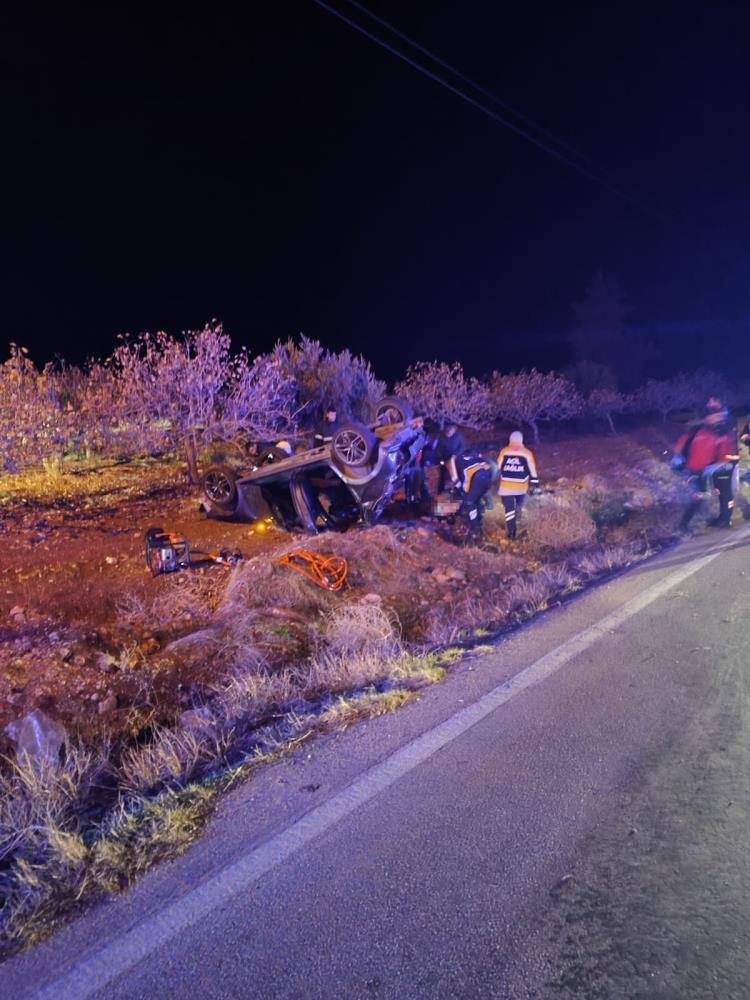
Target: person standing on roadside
708,455
745,439
517,469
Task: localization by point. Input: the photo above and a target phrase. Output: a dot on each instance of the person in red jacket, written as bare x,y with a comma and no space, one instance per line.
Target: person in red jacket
708,456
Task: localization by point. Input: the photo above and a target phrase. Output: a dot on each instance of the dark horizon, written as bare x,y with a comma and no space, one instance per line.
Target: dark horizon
279,171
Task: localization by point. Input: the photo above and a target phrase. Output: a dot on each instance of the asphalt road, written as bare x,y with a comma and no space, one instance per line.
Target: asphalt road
568,816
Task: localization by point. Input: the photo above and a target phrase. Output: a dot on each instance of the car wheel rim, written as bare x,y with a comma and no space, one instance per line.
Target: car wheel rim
352,447
218,487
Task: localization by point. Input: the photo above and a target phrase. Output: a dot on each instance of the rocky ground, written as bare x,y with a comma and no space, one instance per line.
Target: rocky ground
83,626
161,688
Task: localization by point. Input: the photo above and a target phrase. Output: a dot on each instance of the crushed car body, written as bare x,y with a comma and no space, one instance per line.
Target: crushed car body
351,478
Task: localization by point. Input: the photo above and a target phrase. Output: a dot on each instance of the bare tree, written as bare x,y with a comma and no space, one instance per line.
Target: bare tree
259,401
605,403
442,392
685,391
324,379
530,396
36,424
191,390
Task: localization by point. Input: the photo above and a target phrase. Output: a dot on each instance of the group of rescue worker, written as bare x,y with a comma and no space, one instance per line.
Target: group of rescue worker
708,456
471,477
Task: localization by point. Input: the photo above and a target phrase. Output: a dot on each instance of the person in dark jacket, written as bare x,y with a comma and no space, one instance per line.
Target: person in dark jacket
471,477
449,444
708,456
327,428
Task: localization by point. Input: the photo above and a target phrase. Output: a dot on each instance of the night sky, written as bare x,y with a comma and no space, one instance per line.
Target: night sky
275,169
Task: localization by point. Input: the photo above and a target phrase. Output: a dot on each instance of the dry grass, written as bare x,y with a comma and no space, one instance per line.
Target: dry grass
346,711
64,862
55,858
38,798
182,601
38,484
260,583
171,759
609,558
42,815
362,630
279,660
251,694
558,524
74,479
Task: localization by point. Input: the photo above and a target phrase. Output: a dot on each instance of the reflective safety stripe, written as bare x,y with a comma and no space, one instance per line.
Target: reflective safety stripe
510,515
470,471
473,513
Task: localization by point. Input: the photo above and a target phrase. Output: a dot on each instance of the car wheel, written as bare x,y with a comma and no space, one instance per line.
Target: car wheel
220,486
392,410
352,445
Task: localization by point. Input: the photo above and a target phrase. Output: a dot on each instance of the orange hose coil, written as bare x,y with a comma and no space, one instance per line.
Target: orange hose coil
328,572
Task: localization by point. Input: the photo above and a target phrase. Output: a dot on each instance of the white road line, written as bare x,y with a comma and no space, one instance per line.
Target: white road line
121,954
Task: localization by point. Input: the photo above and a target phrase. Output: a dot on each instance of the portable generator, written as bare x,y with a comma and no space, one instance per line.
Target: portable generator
166,552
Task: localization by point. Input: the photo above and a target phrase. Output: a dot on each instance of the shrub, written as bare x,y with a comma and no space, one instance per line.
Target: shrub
558,525
36,425
443,393
362,629
321,379
191,390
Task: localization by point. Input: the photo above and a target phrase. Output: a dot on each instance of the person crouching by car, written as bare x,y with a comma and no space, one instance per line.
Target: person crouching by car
708,456
517,469
471,477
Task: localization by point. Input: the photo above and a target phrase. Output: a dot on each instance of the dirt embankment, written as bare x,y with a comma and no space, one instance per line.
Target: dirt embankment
88,635
168,687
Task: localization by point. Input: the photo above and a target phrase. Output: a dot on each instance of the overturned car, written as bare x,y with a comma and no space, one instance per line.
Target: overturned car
350,479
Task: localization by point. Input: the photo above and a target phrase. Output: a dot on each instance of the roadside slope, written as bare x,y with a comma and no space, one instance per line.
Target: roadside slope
552,757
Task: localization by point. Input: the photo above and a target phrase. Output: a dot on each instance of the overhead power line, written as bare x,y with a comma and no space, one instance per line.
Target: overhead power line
466,79
498,118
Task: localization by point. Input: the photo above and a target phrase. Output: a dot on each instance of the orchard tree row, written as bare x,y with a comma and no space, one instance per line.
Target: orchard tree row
159,393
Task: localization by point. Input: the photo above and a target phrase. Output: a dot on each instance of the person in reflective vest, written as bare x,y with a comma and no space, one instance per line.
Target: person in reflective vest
517,470
471,477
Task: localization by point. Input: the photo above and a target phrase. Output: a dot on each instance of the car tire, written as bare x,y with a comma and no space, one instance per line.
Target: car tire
392,410
220,487
352,446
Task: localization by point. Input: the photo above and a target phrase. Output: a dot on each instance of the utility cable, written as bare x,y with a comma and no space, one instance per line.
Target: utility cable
472,83
584,171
